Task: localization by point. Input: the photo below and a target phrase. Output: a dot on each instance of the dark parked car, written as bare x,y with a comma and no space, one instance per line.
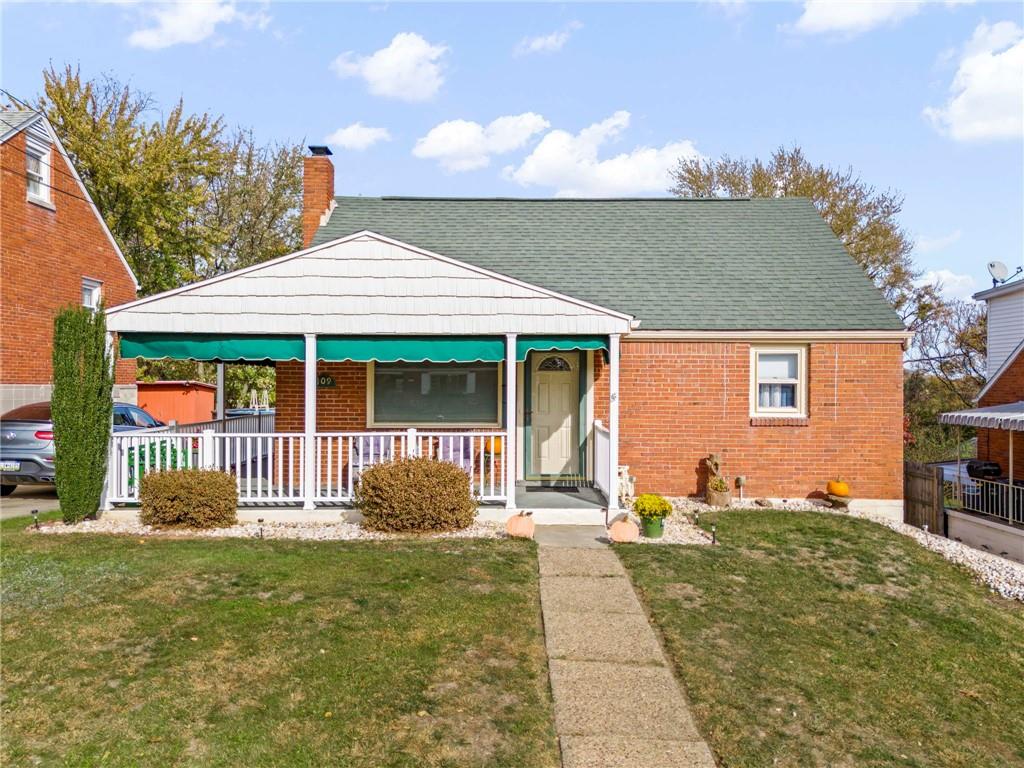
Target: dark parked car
26,442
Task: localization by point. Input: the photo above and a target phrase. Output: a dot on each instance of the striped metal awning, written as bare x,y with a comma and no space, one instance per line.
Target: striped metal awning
1009,416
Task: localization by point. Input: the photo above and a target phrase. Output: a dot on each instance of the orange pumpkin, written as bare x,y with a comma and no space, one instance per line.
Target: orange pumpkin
495,445
624,530
838,488
520,526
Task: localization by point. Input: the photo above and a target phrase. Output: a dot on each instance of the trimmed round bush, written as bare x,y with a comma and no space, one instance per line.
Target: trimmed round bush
415,495
190,498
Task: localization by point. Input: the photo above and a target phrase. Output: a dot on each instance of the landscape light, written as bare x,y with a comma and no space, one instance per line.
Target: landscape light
714,533
35,518
260,521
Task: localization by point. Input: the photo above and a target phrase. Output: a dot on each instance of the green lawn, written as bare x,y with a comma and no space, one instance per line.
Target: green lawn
807,639
257,653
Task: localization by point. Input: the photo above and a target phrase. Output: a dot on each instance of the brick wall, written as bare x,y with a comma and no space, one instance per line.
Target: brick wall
317,193
338,409
994,444
680,401
46,253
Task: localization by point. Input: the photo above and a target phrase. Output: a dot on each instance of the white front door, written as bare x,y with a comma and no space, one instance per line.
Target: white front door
555,409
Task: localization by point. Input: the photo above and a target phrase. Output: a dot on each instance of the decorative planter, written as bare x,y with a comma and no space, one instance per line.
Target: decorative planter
624,531
719,498
654,527
838,488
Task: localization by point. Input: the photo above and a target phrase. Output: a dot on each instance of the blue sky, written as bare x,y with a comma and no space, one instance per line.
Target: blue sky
592,99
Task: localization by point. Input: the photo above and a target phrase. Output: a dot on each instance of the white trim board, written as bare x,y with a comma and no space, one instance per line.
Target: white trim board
771,336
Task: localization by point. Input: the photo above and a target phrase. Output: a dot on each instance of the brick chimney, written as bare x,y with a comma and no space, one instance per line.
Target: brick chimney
317,190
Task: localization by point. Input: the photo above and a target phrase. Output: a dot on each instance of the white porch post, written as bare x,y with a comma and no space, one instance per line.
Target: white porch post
309,424
613,422
220,393
510,421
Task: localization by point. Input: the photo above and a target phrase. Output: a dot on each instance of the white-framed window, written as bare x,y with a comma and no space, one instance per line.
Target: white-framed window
434,394
778,381
37,171
92,293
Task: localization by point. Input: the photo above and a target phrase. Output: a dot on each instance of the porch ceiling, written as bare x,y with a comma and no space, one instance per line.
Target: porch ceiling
365,284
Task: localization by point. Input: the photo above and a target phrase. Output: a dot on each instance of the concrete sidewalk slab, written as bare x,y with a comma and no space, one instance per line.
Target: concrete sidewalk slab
596,698
587,594
579,562
571,536
633,752
622,637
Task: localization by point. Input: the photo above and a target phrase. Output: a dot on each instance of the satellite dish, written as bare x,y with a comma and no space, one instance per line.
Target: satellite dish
998,270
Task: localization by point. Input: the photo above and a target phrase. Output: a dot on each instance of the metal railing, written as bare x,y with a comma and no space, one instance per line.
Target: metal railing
996,498
253,423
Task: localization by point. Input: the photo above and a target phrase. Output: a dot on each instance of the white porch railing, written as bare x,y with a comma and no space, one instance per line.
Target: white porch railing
988,497
269,467
342,456
602,456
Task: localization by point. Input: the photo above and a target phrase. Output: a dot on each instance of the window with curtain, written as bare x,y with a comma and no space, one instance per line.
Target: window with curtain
779,382
423,394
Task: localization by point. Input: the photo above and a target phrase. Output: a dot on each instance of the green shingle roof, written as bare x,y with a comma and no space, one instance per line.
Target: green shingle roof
675,264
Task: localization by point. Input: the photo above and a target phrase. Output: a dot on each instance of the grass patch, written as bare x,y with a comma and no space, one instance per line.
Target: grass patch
246,652
808,639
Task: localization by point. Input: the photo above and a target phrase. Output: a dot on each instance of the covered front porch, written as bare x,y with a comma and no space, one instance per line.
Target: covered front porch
410,355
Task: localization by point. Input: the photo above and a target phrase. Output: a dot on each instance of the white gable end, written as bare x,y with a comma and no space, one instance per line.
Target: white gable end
365,284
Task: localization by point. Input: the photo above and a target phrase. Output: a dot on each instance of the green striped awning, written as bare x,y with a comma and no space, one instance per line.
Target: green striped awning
211,346
526,344
411,349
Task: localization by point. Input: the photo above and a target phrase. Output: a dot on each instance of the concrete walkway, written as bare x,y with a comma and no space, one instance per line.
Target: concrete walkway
617,704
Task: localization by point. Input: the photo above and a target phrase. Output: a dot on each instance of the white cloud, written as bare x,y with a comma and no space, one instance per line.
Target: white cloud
730,8
190,22
925,244
409,68
851,18
950,284
462,145
547,43
569,163
985,100
358,137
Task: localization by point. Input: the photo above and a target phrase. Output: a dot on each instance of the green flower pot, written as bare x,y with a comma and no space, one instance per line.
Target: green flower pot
653,527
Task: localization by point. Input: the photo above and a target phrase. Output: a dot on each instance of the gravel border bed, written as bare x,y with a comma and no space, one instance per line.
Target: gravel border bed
308,531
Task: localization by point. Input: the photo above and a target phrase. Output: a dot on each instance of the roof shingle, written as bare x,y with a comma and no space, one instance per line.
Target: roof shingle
675,264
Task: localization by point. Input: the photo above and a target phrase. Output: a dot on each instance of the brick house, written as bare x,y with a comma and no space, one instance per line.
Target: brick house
57,251
544,344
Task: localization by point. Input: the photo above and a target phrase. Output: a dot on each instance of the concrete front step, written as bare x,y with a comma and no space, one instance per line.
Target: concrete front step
641,751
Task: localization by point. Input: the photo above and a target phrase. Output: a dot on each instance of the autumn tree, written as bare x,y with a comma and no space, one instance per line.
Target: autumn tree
149,176
862,217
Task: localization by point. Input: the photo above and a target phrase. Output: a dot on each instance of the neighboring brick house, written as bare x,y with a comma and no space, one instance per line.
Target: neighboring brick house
645,333
56,251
